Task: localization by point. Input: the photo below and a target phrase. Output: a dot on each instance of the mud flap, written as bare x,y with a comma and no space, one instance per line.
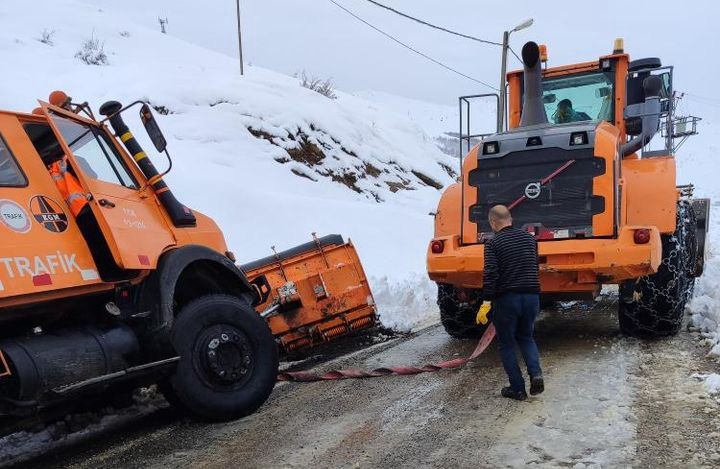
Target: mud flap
701,207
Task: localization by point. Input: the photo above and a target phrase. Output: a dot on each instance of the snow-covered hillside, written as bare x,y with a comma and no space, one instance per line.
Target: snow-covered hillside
269,160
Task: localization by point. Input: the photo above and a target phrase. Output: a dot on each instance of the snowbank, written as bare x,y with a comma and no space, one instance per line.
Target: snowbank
406,304
705,305
694,165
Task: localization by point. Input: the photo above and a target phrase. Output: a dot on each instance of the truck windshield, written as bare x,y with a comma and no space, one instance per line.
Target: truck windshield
94,152
580,97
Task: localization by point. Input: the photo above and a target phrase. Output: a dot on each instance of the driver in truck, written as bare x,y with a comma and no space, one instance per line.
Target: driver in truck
565,113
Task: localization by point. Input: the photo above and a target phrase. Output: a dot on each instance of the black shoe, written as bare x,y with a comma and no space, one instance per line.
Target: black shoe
537,385
512,394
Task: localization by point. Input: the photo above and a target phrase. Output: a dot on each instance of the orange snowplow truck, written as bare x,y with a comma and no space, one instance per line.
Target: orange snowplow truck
587,165
106,279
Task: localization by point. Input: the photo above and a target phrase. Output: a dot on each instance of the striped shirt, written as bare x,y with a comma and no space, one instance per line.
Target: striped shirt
511,264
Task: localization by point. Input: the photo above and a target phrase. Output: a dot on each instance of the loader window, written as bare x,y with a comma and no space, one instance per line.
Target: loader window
96,155
10,174
579,97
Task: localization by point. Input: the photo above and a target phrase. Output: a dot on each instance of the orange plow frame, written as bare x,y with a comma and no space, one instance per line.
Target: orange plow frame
318,292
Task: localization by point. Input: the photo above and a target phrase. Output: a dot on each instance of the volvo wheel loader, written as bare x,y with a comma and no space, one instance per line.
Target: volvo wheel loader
134,289
587,165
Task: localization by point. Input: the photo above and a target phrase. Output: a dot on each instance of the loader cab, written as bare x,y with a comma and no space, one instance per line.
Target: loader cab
558,167
595,89
599,91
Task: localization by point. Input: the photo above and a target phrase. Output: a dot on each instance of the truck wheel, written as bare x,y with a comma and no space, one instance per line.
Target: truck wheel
458,310
228,359
654,305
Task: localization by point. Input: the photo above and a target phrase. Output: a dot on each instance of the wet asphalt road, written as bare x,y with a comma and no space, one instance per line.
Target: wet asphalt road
609,402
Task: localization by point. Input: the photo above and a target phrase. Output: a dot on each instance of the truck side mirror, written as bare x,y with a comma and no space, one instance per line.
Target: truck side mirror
152,128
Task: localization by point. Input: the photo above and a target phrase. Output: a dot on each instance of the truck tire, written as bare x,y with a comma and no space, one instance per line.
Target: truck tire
654,305
458,310
228,359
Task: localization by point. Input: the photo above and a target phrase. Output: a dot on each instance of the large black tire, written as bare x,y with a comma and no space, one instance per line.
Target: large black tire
228,359
654,305
458,310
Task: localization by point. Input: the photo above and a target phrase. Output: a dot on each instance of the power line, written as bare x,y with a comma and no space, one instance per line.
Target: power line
417,20
437,62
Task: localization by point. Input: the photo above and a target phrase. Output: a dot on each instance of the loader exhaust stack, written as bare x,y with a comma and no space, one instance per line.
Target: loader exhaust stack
180,214
649,114
533,111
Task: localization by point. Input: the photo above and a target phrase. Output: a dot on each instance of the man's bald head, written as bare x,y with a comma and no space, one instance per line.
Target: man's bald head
499,217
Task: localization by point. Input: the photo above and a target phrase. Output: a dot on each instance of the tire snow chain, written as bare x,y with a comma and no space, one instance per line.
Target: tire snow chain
311,376
647,292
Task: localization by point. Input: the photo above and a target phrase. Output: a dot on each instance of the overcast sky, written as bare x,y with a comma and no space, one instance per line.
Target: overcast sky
315,35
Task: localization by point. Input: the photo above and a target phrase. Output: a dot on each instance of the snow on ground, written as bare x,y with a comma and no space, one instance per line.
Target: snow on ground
695,165
269,160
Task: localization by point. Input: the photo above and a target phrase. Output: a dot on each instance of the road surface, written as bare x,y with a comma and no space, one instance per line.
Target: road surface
609,402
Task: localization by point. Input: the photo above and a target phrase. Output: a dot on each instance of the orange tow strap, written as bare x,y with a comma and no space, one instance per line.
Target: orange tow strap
310,376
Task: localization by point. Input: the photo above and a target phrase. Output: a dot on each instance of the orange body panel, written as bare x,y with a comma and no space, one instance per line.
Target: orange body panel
34,259
447,216
565,265
323,294
651,179
606,147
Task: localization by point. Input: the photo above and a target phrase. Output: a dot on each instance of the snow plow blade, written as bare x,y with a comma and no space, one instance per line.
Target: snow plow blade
314,293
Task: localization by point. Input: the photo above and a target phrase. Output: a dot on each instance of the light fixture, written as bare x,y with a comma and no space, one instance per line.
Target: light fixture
578,138
490,148
525,24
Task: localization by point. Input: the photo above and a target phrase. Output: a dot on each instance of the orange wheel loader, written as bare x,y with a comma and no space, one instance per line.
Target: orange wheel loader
587,165
106,279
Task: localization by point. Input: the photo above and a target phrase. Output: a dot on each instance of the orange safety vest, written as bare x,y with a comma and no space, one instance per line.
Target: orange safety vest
68,186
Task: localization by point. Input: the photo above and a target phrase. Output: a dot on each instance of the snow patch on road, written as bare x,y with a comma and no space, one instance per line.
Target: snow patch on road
74,428
711,382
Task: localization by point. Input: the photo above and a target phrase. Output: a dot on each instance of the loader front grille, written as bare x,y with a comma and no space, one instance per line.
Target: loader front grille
565,204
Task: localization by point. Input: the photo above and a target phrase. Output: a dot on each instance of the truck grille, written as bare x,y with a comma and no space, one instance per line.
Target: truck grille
564,205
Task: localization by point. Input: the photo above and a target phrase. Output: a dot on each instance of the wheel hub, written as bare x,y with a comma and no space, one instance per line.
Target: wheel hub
226,355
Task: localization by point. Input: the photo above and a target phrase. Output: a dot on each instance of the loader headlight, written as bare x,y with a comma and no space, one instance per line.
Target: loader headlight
578,138
491,148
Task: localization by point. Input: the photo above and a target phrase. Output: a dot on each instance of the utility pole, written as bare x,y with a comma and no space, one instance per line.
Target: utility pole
503,72
237,3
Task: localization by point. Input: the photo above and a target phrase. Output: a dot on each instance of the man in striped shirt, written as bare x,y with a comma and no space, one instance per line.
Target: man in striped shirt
511,283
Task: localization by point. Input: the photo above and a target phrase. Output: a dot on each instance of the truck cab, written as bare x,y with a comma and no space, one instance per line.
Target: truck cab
577,169
126,285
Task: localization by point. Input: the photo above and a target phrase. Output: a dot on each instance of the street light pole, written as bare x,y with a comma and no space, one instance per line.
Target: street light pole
237,3
503,71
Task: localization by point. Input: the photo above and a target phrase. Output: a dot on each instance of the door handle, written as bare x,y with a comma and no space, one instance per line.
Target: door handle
106,203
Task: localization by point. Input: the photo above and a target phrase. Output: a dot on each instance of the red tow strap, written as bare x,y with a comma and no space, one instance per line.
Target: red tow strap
310,376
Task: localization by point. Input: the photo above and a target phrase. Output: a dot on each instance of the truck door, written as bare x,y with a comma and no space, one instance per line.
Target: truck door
129,217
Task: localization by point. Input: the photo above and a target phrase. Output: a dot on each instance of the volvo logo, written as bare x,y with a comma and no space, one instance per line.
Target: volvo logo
532,190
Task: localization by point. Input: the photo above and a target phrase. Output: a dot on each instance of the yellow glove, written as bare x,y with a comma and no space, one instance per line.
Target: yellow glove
482,313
